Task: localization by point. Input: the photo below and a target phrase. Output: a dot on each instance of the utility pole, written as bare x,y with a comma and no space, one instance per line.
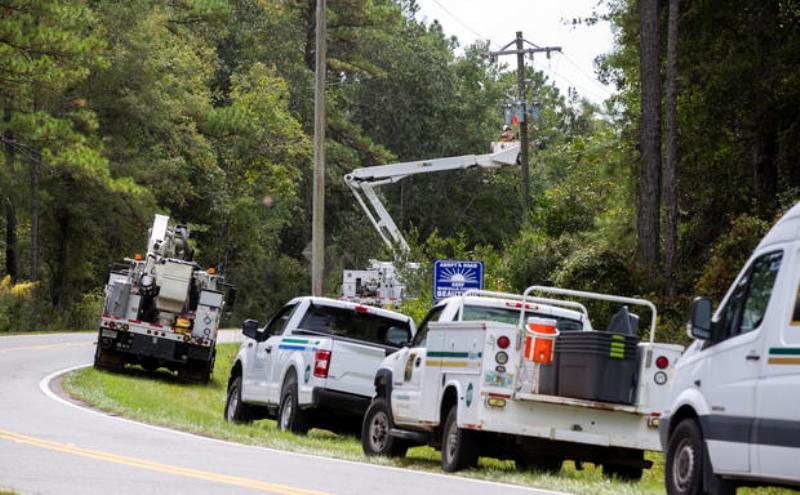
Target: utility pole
318,206
520,51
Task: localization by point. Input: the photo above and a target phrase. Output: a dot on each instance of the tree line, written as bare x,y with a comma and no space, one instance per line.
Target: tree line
203,109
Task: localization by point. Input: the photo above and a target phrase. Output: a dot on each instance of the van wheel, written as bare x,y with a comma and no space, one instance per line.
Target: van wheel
290,416
375,438
683,473
236,411
459,445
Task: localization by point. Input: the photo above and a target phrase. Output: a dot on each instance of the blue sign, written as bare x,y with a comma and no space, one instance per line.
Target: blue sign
453,278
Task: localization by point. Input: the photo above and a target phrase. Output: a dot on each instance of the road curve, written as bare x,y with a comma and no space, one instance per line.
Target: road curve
49,446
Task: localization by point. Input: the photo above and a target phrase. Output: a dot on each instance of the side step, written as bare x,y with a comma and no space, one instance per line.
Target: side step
416,436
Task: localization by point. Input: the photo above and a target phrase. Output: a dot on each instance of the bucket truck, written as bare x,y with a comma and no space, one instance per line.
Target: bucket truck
380,284
163,310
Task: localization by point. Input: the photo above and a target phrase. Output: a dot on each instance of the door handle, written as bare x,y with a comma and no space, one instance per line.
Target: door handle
753,357
417,362
268,349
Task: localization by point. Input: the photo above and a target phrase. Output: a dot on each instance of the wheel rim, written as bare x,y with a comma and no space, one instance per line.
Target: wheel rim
379,432
452,440
286,413
683,465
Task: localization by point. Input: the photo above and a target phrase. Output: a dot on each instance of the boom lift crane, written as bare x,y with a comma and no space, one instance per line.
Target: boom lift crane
379,284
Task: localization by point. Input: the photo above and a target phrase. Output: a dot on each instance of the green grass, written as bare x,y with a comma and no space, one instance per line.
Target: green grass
160,399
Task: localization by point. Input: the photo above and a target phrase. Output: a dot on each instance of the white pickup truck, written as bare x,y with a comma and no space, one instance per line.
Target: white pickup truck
314,354
733,412
459,386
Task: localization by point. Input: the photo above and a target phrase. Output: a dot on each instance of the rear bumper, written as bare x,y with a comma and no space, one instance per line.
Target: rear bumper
339,402
663,431
146,346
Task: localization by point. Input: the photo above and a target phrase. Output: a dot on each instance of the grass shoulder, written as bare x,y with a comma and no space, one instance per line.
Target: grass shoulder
159,399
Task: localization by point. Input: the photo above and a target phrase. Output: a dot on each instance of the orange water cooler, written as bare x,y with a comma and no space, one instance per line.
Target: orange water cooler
540,342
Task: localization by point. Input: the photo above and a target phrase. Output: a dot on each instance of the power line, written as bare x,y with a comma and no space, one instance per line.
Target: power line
587,76
479,35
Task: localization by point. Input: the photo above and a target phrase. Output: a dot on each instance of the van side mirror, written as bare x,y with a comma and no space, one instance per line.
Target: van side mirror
250,329
700,323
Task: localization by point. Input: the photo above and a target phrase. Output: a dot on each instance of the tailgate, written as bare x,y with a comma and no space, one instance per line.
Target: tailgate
353,366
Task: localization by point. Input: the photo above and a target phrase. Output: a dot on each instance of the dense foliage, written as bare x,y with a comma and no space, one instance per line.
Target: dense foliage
203,109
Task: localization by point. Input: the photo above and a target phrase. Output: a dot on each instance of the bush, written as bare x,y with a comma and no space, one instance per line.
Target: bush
16,305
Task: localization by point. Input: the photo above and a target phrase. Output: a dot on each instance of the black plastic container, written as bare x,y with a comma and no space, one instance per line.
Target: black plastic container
597,366
548,377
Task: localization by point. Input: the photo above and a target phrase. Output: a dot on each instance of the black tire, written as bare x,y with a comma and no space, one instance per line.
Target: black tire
290,416
107,360
459,445
375,438
623,473
236,411
538,462
687,462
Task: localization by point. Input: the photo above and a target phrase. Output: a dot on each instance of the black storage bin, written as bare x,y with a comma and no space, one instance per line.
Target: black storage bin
597,366
548,377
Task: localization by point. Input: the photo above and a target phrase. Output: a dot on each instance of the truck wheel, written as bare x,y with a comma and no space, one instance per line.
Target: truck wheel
538,462
107,360
290,416
375,438
623,473
687,462
236,411
459,445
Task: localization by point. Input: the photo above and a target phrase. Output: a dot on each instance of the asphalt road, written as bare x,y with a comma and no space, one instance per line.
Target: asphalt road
50,446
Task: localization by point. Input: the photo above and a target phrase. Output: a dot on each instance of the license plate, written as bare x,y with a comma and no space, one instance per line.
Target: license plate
107,332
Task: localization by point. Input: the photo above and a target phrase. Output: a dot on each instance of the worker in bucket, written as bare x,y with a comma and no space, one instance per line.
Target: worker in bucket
508,134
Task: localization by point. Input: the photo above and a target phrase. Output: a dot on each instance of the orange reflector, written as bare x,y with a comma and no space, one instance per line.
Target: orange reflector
137,257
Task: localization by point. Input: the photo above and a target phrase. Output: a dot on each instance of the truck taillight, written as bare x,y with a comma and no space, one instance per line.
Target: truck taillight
662,362
322,361
503,342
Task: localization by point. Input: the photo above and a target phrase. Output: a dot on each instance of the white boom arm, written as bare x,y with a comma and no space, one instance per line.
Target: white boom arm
367,179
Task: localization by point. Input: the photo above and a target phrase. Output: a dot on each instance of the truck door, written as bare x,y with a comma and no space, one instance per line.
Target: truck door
258,375
733,365
417,388
776,446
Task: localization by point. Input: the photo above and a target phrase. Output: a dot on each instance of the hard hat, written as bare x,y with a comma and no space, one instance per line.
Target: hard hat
506,127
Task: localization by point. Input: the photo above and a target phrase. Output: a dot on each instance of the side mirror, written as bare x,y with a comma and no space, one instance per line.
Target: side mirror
699,326
250,329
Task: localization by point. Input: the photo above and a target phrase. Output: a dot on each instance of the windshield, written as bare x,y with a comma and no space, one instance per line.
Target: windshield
358,325
511,316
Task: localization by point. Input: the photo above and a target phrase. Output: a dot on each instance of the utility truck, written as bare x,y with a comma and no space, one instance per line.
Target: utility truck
732,416
380,284
481,379
163,309
313,363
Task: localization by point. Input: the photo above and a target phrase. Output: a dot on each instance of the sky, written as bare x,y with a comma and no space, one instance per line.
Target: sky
542,22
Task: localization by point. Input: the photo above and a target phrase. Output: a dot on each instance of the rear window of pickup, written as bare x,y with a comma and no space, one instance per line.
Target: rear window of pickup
356,325
511,316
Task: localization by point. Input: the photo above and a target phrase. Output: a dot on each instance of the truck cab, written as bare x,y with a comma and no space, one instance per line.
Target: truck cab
733,416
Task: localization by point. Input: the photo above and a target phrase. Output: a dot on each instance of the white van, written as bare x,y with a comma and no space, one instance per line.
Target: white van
733,417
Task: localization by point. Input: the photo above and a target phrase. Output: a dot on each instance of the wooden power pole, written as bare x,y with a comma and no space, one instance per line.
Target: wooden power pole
318,206
520,51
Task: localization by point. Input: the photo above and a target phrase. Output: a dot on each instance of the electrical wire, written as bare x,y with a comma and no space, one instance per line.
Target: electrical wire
479,35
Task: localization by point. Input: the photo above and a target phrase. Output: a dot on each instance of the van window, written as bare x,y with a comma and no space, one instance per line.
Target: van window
357,325
511,316
748,303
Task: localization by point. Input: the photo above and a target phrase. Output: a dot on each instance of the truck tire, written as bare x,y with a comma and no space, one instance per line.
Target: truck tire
375,438
687,462
459,445
538,462
290,416
236,411
623,473
107,360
